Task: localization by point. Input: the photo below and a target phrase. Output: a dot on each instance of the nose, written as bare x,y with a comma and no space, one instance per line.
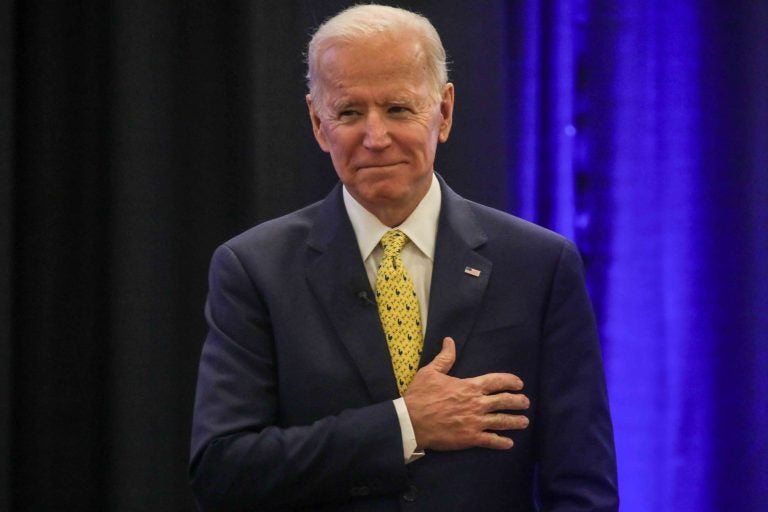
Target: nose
376,132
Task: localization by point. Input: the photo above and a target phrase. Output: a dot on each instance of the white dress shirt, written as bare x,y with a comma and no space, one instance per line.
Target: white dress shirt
418,257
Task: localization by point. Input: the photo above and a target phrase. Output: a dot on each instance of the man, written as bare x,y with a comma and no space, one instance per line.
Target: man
316,393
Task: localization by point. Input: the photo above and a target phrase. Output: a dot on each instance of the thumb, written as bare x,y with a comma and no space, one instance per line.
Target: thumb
443,362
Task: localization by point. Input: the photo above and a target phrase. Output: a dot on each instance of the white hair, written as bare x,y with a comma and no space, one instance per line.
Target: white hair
364,21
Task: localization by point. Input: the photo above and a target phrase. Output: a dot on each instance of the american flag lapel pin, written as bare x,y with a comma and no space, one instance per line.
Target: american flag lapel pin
472,271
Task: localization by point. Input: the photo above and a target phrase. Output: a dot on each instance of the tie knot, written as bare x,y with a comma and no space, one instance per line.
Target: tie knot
393,242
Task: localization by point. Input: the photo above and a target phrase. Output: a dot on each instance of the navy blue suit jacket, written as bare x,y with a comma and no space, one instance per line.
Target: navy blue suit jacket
295,388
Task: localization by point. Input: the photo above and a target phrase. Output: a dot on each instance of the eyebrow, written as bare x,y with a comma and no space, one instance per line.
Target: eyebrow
345,103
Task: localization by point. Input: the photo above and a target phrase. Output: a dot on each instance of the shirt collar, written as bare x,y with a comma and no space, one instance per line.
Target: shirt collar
420,226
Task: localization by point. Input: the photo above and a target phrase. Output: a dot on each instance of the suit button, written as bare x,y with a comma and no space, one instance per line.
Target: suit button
411,493
360,491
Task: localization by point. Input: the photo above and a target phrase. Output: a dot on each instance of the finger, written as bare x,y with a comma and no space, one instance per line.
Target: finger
506,402
494,441
443,362
497,382
501,421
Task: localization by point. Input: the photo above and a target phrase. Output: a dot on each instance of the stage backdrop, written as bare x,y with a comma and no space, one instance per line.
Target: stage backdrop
137,135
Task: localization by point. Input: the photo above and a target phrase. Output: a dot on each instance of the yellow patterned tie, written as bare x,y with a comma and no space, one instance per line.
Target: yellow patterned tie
398,310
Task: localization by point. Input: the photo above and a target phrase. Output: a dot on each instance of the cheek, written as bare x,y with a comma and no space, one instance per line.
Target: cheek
423,144
340,144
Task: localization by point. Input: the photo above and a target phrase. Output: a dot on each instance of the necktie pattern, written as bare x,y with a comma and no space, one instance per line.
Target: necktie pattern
399,310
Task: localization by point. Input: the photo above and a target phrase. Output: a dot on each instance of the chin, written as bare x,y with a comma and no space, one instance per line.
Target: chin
383,188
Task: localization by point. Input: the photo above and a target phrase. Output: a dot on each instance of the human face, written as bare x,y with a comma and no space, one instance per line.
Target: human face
379,118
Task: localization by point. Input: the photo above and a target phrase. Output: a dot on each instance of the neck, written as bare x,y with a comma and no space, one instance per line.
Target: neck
392,217
392,213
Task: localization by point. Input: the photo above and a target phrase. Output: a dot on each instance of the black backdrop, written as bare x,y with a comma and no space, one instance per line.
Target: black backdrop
135,137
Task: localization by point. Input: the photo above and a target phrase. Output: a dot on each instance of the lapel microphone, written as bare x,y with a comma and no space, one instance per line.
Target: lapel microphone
360,288
364,299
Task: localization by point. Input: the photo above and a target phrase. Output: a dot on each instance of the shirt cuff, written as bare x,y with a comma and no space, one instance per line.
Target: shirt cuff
406,431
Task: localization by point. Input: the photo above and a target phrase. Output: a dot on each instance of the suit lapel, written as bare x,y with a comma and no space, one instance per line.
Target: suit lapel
337,277
459,277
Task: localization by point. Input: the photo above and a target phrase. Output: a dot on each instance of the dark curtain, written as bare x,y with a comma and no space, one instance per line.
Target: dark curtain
675,130
135,136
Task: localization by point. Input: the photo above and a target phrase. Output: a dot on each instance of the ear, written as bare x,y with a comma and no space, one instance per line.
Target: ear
316,124
446,110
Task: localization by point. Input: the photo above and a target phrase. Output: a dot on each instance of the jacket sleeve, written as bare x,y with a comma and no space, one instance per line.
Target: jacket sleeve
577,463
242,458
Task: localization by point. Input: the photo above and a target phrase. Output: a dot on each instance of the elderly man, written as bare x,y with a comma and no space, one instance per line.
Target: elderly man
369,352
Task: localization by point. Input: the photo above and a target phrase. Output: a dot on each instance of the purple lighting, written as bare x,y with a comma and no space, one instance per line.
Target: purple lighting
645,138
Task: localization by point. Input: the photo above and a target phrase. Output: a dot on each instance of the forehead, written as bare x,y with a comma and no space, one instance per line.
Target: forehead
379,61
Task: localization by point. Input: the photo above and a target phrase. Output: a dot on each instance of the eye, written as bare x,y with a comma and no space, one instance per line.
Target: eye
398,109
348,114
